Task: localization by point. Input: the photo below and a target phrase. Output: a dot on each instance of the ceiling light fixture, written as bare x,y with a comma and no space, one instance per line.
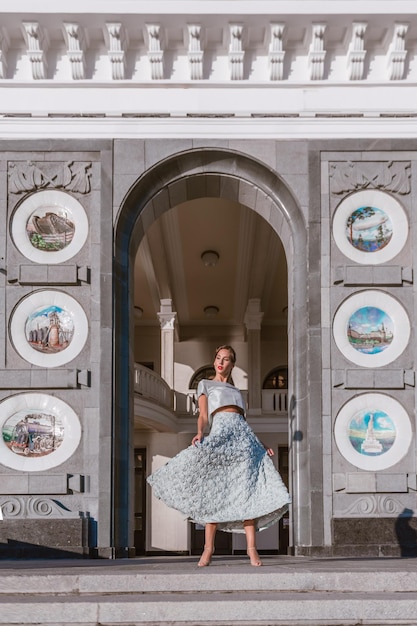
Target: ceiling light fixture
210,258
211,311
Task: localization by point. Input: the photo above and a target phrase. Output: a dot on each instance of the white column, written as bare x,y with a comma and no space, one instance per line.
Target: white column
167,319
253,323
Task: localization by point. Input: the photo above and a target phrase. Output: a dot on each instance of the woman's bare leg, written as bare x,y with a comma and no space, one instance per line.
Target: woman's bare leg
209,536
249,526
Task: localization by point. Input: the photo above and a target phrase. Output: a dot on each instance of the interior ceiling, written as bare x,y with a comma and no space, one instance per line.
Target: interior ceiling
251,264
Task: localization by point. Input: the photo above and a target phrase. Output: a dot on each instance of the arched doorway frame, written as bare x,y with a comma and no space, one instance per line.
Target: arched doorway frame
184,176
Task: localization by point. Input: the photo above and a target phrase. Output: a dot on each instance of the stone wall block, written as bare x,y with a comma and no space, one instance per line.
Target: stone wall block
394,483
389,379
15,379
359,379
14,484
63,274
129,156
361,482
359,275
48,484
388,275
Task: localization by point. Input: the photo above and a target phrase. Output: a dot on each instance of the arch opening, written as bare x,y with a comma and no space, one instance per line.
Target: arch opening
228,179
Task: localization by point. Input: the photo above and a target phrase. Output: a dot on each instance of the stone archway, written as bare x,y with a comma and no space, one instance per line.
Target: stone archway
230,175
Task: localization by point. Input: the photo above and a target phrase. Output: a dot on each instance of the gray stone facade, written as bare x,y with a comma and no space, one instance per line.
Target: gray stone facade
84,504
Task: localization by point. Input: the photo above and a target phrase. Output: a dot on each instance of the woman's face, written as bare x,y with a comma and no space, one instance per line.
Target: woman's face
223,362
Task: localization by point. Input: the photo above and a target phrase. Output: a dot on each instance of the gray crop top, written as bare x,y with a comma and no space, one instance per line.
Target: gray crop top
219,395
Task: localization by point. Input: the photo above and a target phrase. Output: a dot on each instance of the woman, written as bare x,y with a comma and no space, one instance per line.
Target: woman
225,480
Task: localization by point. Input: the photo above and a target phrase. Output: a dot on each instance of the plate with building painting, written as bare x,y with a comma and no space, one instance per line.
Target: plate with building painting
49,226
48,328
373,431
371,328
38,431
370,227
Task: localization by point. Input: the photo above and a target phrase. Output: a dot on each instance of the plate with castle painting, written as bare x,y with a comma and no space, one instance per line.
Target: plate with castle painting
48,328
370,227
38,431
49,226
371,328
373,431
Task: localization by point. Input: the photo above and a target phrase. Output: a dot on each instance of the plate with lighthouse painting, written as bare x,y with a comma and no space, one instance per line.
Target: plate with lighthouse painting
49,226
48,328
371,328
373,431
370,227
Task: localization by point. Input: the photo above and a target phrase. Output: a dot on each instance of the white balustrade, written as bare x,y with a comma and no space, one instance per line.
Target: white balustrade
274,401
152,387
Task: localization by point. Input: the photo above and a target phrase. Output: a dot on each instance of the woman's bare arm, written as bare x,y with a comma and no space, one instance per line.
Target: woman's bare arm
202,419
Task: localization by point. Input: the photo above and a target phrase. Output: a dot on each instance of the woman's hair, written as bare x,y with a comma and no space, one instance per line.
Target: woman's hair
230,349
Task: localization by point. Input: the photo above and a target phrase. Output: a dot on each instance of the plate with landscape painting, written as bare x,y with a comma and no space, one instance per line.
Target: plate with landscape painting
48,328
49,226
370,227
38,431
373,431
371,328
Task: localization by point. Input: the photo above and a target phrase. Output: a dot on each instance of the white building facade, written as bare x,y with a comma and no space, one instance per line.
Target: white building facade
178,176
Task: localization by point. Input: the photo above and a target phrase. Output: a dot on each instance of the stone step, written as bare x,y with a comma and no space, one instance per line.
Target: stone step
289,591
216,578
213,582
256,608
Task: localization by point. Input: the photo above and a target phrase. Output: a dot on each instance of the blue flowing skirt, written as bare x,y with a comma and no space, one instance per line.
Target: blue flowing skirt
226,479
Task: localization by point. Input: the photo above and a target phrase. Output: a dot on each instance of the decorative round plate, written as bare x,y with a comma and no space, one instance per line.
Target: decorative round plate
38,432
373,431
49,226
48,328
370,227
371,328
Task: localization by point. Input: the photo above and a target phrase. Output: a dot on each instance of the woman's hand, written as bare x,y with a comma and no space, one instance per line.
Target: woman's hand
197,439
269,451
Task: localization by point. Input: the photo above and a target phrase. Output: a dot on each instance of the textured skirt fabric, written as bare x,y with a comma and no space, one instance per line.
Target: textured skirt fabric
226,479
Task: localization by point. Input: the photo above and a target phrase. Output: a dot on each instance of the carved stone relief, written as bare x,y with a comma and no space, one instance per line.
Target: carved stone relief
373,505
34,507
29,176
393,176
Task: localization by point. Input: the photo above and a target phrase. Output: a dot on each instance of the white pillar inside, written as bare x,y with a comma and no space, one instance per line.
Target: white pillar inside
253,322
167,319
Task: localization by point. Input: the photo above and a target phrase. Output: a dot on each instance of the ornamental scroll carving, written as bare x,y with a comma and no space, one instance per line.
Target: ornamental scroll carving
373,505
393,176
28,176
34,507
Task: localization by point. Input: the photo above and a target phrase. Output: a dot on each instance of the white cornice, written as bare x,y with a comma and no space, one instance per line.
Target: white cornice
220,7
235,59
166,128
356,99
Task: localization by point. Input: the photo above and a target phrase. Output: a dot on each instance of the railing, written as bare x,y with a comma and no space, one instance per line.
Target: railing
274,401
152,387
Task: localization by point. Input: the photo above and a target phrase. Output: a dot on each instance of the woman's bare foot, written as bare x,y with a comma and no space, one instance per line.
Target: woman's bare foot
254,557
205,558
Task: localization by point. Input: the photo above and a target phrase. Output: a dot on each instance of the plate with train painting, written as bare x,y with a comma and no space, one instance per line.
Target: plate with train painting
39,431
